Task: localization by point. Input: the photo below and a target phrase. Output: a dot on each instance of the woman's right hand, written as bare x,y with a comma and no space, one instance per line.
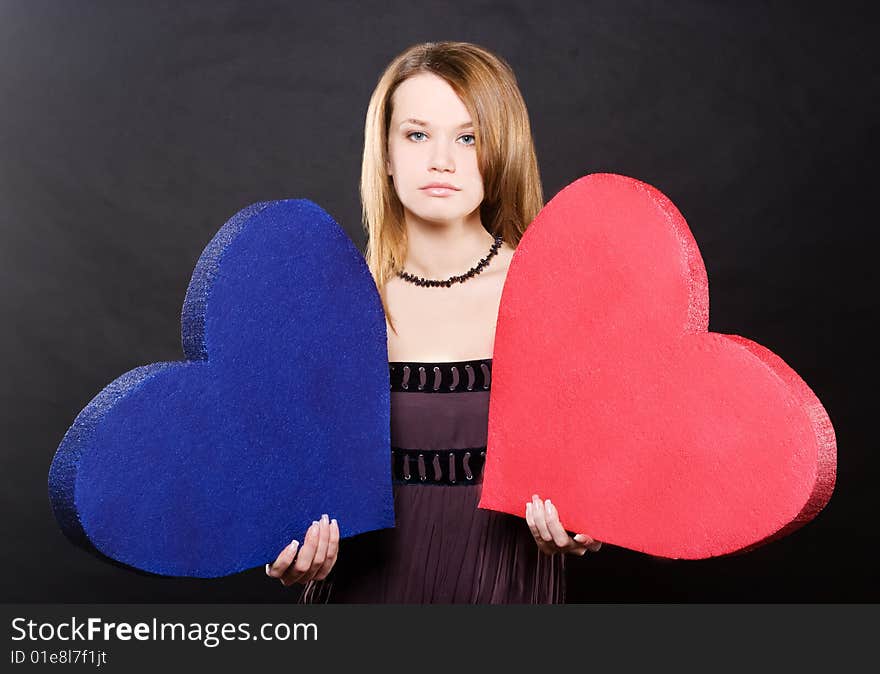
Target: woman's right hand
315,559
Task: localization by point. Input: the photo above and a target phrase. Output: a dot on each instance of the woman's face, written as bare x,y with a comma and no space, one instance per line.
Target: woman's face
431,140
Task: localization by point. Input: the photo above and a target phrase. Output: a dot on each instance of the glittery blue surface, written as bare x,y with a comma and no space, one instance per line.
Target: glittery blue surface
209,466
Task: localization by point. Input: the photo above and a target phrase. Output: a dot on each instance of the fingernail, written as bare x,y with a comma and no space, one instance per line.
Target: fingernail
548,504
267,569
333,521
314,523
324,518
294,542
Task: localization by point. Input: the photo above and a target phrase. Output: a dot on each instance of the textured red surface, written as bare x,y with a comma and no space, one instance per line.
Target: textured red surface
610,397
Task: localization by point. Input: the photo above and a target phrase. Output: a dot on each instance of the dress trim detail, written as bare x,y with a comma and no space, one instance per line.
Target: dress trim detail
449,467
441,377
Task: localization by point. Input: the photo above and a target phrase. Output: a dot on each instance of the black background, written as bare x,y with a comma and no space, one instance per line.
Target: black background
130,132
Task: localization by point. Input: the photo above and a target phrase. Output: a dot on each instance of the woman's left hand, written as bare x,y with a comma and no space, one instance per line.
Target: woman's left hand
551,537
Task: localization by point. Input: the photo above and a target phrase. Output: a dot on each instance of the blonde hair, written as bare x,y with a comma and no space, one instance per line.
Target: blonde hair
487,86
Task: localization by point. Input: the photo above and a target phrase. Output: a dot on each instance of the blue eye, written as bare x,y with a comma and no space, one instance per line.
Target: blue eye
467,135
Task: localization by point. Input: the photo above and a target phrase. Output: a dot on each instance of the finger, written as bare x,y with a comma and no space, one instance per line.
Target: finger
303,561
332,551
590,544
542,546
285,557
530,520
583,542
323,544
562,539
546,550
298,571
322,537
540,516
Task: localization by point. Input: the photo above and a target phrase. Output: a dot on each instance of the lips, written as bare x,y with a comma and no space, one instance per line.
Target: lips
447,185
439,190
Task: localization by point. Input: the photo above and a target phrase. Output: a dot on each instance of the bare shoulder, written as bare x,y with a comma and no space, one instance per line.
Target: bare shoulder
501,262
506,253
392,287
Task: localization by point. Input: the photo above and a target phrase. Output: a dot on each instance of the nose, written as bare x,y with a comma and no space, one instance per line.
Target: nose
441,158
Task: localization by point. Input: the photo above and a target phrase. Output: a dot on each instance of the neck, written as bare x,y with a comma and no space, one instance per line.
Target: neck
438,251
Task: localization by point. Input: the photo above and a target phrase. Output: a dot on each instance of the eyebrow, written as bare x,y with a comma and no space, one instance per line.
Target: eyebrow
419,122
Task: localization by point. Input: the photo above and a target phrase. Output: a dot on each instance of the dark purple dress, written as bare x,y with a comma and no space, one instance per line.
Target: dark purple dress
443,549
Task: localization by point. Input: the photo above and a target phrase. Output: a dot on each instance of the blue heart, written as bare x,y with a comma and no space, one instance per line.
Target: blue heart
209,466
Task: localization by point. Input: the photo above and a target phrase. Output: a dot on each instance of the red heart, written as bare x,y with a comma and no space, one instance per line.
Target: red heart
610,397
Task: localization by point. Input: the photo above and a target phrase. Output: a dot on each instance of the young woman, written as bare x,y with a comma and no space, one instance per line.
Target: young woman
449,182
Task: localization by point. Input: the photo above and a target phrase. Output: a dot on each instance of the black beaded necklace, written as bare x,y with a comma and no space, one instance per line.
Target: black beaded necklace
419,281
